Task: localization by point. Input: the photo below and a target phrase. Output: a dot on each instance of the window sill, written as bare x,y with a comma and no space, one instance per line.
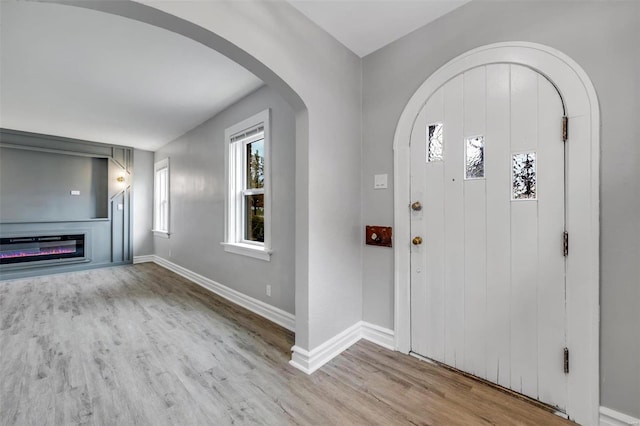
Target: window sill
248,250
161,234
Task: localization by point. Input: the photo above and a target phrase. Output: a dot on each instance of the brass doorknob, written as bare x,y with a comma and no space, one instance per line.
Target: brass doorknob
417,241
416,206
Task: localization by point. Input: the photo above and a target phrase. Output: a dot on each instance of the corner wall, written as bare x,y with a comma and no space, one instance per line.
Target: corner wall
603,38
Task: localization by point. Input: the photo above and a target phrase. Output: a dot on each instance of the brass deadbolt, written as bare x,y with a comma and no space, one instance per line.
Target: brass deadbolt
417,241
416,206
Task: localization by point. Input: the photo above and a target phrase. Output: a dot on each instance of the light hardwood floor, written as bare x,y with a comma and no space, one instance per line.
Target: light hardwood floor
139,345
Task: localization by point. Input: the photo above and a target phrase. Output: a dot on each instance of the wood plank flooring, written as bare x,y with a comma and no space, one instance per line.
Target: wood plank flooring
140,345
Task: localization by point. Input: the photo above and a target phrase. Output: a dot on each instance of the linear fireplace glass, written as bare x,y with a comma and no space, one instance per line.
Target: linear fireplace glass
37,248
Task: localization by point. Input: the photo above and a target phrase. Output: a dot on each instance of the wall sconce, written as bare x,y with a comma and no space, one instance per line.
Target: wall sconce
120,179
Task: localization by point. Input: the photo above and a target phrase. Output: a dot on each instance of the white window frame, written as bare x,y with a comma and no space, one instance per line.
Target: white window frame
161,229
235,153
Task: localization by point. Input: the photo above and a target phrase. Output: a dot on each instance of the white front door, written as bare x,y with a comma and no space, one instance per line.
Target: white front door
488,278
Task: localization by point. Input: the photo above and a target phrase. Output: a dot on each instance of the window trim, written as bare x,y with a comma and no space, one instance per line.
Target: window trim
235,173
158,166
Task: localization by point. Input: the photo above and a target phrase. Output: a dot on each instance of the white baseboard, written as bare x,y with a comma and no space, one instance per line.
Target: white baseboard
143,259
307,361
379,335
277,315
310,361
609,417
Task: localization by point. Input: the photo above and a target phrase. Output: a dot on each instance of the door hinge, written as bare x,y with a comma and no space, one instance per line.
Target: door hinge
566,360
565,128
565,243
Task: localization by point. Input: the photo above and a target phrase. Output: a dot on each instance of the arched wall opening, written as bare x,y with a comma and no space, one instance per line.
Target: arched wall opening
149,15
323,86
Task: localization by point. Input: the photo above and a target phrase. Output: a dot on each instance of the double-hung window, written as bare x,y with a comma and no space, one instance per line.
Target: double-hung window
248,193
161,198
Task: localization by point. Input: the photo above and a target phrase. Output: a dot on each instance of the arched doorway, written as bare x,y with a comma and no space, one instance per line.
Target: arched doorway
264,37
582,163
154,16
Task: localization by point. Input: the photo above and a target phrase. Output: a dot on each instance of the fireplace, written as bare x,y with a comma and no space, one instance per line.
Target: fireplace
39,248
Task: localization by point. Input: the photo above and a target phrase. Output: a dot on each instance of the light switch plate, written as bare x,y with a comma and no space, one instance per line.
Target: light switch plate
75,192
120,206
380,181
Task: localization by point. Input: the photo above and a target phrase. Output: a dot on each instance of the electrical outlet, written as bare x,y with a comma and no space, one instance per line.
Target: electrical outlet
268,290
169,252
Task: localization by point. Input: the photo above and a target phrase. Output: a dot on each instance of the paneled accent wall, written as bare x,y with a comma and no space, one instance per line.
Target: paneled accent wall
50,185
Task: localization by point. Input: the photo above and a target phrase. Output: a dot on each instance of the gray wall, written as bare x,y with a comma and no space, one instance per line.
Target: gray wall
37,173
603,37
36,186
321,80
142,202
197,182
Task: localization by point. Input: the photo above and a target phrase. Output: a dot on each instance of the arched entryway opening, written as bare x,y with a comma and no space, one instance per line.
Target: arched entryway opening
161,19
582,212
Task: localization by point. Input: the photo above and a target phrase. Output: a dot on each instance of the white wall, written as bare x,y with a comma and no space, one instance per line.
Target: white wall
603,38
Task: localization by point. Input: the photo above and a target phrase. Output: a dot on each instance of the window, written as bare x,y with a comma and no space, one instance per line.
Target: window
474,158
434,142
523,171
161,198
248,197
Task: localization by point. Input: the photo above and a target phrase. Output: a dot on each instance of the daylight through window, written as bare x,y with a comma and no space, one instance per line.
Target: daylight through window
248,199
161,198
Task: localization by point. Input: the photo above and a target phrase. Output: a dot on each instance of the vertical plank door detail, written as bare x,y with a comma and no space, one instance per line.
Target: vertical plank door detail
488,283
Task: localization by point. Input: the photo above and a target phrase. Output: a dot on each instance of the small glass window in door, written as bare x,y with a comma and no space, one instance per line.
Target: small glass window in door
434,142
474,158
523,169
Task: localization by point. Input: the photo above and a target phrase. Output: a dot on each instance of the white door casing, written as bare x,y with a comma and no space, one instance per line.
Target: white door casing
488,278
582,207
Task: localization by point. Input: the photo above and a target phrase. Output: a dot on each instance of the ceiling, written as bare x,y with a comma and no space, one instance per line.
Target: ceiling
73,72
84,74
365,26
